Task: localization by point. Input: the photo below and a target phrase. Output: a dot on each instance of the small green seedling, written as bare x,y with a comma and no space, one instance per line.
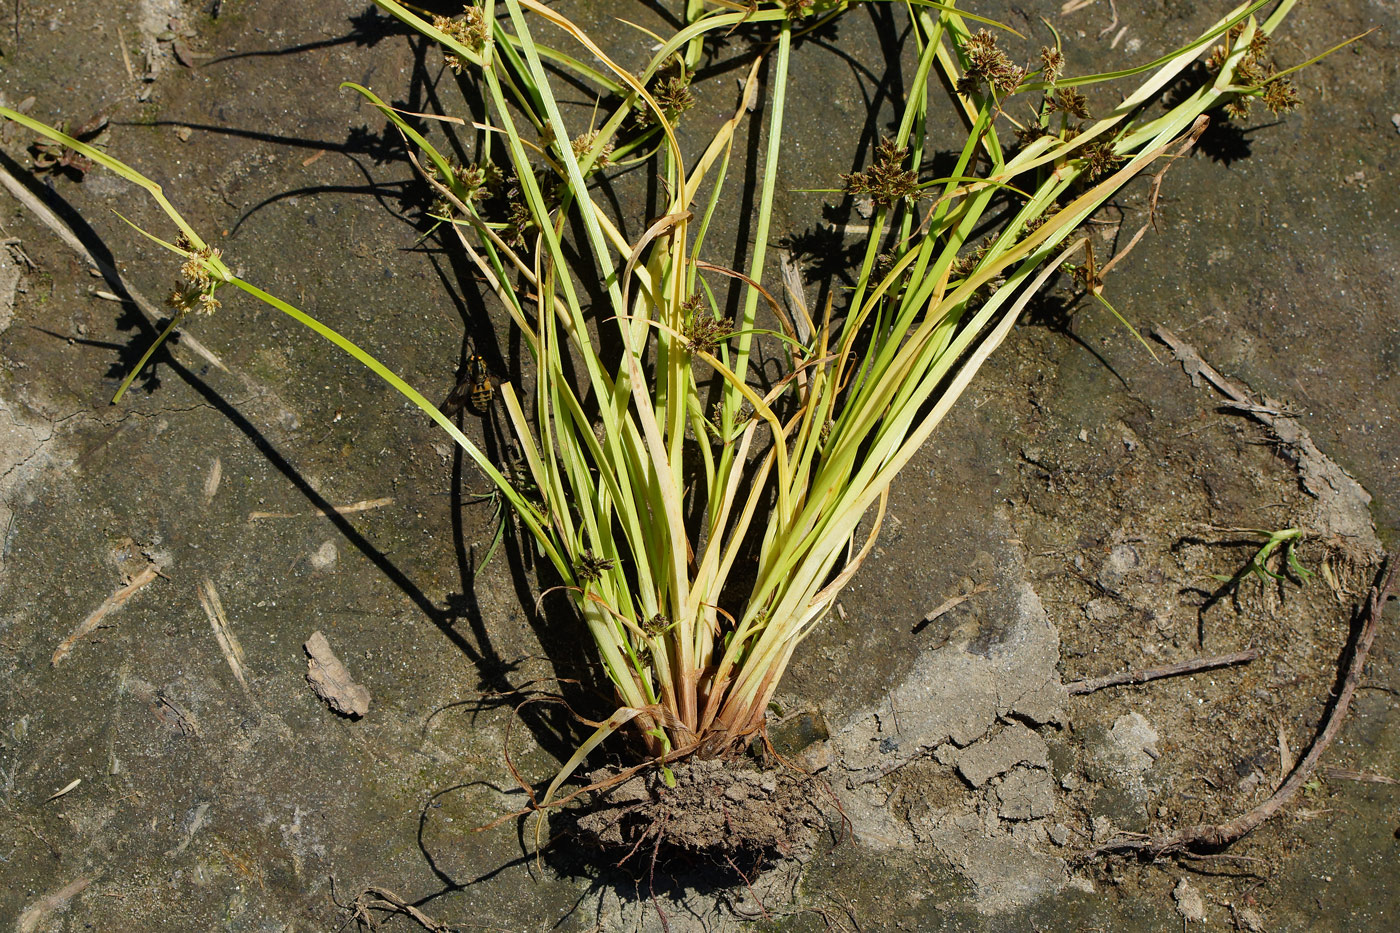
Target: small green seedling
1284,542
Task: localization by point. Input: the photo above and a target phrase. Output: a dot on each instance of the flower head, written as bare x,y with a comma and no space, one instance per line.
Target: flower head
887,181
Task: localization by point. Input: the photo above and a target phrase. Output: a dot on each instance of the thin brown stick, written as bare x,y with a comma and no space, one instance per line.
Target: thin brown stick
1218,835
950,604
145,576
1349,774
377,898
364,505
1189,666
1187,142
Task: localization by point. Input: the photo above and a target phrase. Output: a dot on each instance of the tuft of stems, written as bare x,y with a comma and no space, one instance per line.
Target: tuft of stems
703,523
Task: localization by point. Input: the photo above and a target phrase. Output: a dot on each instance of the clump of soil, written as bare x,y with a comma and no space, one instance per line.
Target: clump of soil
718,811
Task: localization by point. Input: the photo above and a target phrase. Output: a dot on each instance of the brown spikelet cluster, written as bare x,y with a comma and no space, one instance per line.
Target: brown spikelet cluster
475,178
1099,159
1070,102
590,568
670,88
1029,133
887,181
584,142
989,64
702,330
519,221
965,265
1052,64
471,183
1256,71
470,29
195,291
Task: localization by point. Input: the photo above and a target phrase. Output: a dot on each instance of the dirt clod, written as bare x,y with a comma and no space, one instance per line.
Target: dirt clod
331,681
716,811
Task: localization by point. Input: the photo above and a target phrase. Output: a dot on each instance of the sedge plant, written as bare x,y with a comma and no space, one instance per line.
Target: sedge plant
702,520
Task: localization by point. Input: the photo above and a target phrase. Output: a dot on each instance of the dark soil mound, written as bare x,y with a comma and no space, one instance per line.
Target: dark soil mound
723,812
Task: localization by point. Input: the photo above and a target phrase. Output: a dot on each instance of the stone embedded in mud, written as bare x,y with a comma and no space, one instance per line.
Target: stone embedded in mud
1131,745
796,732
331,681
1189,903
1103,609
1122,560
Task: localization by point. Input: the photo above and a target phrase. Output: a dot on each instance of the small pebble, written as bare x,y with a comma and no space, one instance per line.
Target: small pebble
325,557
1189,902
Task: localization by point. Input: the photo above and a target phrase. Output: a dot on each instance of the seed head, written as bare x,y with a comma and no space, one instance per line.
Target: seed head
193,272
1280,96
1099,158
986,62
1070,102
1255,71
705,333
887,181
670,88
584,142
1030,133
180,301
590,568
468,29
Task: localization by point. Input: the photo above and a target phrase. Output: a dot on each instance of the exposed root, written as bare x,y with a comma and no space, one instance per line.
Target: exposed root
1198,839
374,898
720,813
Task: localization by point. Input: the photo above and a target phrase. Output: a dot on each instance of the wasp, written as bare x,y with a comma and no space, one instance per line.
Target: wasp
476,389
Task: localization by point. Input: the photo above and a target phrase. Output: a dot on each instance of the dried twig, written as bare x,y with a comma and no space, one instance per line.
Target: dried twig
1187,143
35,914
949,604
1366,777
1218,835
364,505
377,898
1189,666
1113,24
211,482
144,577
228,642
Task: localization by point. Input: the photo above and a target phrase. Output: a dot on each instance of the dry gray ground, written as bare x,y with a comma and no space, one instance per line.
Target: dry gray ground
1092,492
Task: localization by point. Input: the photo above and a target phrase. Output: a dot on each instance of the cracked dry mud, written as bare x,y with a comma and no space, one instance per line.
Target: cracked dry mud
1096,494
